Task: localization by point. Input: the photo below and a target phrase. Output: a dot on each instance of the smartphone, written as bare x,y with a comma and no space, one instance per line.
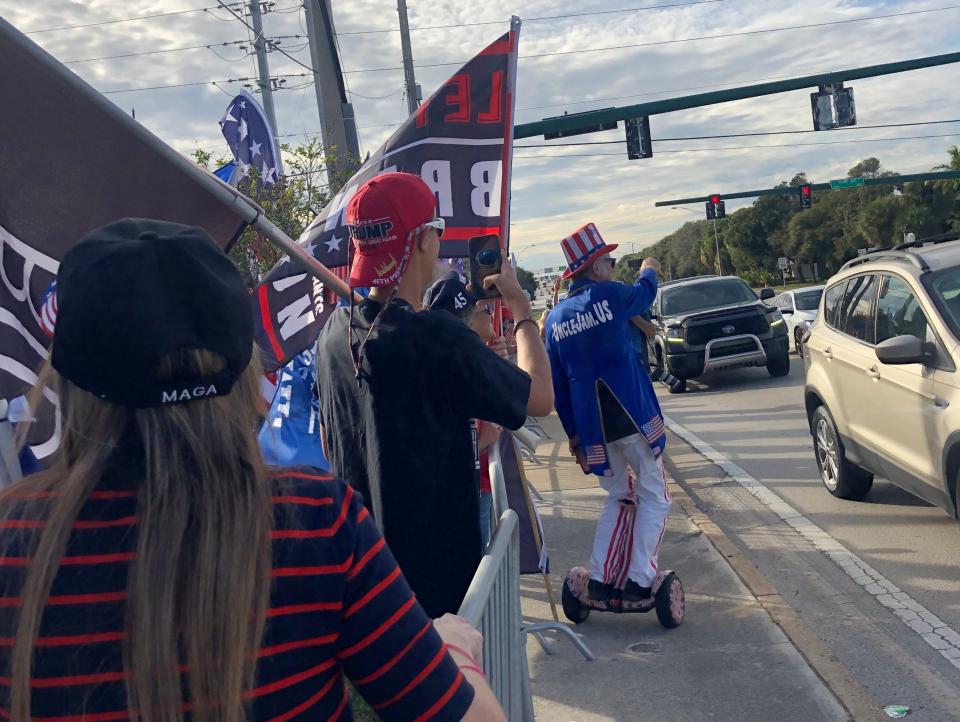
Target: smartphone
485,260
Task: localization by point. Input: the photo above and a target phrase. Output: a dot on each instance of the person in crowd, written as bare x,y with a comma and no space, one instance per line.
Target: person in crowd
399,387
543,325
641,331
609,411
156,571
450,294
507,321
17,412
290,435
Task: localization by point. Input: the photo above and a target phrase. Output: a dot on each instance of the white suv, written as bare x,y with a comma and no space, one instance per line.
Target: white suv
882,383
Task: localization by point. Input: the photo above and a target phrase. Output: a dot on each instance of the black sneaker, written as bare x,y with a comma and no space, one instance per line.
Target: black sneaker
598,591
634,593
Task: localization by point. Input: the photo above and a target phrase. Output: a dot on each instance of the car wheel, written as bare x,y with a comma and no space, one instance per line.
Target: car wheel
779,365
841,478
956,495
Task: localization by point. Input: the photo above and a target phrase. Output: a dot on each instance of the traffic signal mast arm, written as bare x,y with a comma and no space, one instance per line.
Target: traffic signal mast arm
794,190
669,105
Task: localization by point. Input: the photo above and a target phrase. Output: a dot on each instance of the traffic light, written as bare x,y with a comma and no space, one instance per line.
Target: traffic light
833,107
639,144
806,197
846,108
716,208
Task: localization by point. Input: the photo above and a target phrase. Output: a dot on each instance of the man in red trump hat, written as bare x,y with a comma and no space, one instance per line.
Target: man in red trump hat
399,385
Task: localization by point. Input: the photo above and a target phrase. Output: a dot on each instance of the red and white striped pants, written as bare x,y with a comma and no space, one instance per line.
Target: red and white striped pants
634,515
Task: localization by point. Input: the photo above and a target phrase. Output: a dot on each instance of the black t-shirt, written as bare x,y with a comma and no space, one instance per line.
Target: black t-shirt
407,427
617,423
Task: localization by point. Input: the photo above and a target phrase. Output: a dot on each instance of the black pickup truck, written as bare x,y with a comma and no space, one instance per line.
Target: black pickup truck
717,322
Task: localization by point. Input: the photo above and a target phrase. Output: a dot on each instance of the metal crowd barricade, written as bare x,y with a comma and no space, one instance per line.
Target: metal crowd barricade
9,462
501,504
492,604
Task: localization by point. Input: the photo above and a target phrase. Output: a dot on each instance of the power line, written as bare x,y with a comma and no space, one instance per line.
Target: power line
153,52
203,82
176,85
536,19
123,20
304,134
681,40
738,135
271,42
541,55
584,50
752,147
377,97
275,47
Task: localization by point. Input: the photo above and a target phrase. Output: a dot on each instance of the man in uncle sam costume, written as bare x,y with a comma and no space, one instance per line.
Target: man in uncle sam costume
610,413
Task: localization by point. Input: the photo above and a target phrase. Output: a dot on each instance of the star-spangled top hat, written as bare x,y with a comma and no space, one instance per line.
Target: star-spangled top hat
583,247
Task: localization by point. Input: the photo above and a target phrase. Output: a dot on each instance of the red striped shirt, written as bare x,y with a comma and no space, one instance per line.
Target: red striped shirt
339,608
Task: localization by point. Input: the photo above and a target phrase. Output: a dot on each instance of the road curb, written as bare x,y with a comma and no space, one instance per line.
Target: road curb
854,697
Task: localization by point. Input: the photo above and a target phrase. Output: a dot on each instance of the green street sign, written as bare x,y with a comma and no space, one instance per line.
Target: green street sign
846,183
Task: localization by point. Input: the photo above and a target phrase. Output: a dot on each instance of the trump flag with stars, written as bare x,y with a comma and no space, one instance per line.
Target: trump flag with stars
460,142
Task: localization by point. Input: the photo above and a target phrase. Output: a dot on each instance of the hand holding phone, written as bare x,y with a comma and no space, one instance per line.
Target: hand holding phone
509,287
485,261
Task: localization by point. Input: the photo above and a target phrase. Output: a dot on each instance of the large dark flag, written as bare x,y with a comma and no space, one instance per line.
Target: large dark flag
72,161
460,142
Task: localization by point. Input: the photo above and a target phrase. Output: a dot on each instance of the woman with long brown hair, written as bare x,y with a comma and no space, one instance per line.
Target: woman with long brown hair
156,572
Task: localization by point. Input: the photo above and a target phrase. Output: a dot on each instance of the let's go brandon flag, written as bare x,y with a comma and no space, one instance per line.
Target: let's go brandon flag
460,142
71,161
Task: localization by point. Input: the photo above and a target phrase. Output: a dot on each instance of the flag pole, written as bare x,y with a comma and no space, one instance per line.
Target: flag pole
298,255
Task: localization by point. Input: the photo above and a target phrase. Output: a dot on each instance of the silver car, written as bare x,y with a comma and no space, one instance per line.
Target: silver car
799,309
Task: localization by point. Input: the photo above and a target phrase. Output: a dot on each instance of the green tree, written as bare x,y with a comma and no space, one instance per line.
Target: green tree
290,203
839,223
813,236
527,282
867,168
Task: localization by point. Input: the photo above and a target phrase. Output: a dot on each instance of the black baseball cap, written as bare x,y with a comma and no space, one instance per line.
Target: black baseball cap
450,294
135,291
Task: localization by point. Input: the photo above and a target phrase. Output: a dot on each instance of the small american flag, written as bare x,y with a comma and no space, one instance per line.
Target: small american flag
48,311
653,429
595,454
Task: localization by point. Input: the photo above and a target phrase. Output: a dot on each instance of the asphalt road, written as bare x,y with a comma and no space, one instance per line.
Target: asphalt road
759,423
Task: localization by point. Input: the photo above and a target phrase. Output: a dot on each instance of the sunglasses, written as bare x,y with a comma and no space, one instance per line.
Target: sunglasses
437,223
488,257
613,261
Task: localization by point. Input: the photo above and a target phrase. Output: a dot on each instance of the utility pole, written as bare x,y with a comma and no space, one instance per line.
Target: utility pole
717,237
263,67
337,121
409,81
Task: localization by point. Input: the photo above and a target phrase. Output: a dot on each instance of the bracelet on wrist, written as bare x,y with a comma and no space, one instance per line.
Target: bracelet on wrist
473,669
527,319
463,653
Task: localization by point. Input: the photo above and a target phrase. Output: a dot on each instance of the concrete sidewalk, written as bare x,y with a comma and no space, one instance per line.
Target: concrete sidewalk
727,661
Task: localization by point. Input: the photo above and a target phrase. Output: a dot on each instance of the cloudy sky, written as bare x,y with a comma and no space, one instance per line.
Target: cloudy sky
555,190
